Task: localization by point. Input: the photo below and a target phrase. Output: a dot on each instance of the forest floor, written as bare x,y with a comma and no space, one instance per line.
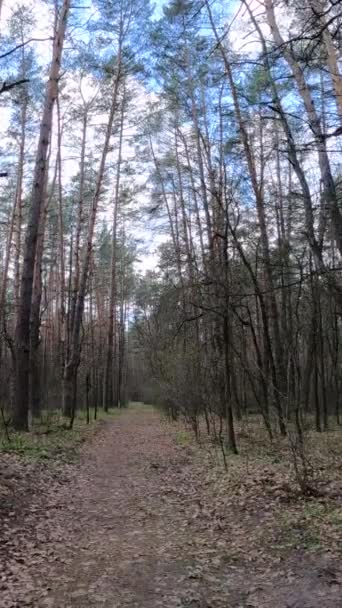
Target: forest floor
146,519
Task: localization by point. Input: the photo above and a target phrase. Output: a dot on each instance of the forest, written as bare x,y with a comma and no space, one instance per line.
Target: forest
171,235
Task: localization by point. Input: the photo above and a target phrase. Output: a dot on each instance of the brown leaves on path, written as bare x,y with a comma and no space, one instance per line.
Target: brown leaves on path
141,522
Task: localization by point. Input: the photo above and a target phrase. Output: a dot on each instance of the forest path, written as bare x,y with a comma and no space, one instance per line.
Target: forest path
137,528
128,546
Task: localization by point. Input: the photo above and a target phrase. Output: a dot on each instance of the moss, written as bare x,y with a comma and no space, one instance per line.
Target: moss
183,438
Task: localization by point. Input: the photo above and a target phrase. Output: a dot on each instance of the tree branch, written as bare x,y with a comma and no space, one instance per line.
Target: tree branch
7,86
22,44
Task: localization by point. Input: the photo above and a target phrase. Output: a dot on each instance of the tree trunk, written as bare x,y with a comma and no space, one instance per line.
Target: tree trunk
330,196
22,334
71,367
109,374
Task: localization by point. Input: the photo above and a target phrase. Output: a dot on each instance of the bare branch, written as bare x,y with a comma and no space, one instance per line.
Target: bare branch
7,86
22,44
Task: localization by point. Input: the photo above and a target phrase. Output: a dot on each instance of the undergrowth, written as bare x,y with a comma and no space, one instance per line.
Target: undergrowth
263,482
50,437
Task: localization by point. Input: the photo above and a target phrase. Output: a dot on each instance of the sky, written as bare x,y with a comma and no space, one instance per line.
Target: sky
240,38
148,241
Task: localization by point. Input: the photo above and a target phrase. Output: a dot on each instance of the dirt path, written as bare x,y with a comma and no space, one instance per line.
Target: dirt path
128,546
136,529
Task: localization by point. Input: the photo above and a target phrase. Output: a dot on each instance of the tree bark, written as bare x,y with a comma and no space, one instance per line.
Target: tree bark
22,333
330,200
71,367
109,372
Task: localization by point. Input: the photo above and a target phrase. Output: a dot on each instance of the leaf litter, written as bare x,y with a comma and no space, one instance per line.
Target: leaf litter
143,522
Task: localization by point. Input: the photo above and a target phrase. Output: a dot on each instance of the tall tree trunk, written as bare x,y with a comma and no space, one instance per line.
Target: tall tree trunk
315,242
35,363
19,204
272,316
330,200
75,255
319,16
109,372
62,314
22,334
70,371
